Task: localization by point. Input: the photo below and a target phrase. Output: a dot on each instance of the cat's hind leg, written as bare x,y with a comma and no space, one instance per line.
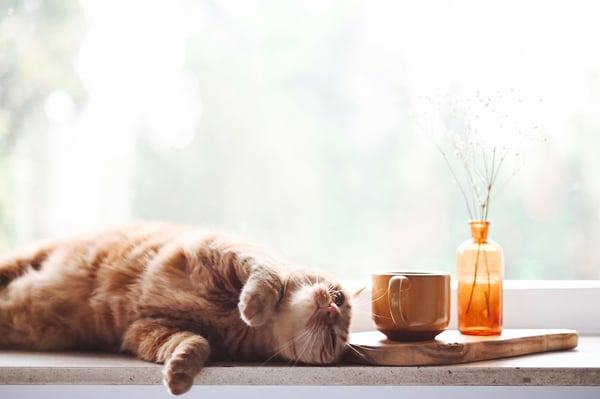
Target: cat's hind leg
158,340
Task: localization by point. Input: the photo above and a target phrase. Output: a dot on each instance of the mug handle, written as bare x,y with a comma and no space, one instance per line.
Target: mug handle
395,287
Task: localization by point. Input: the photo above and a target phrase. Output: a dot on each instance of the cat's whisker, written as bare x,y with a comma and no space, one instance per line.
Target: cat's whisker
276,352
378,298
301,279
355,351
319,337
331,287
305,347
279,350
361,311
307,343
360,291
307,279
292,341
381,315
310,343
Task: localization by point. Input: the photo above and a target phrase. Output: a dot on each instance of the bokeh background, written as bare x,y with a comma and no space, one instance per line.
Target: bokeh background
297,124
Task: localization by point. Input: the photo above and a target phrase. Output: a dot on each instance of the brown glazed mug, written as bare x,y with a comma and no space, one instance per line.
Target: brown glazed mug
411,305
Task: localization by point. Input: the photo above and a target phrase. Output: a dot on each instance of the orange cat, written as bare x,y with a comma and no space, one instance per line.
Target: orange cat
169,294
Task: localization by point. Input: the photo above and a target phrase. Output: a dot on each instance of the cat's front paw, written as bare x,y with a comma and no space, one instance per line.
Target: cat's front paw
257,304
178,375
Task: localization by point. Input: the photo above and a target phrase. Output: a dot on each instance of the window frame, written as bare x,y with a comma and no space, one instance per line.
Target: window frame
528,304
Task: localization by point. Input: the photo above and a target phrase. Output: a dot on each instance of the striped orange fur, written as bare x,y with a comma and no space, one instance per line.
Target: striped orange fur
171,294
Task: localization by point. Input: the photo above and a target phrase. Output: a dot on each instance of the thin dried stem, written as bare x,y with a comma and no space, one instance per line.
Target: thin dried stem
429,135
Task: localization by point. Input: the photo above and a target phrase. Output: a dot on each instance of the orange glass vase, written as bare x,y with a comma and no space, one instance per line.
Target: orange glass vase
479,271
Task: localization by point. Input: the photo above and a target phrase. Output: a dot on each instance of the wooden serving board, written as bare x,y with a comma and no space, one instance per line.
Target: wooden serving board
451,347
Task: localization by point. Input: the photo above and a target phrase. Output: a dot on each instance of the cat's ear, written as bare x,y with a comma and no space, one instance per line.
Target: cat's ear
360,290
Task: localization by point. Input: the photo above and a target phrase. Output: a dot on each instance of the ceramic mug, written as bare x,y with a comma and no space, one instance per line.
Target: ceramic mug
411,305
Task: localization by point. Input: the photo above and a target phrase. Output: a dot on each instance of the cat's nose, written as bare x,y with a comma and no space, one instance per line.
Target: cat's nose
332,312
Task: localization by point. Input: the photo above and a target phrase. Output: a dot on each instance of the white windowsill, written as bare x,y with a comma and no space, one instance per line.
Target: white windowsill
547,304
578,367
573,374
564,304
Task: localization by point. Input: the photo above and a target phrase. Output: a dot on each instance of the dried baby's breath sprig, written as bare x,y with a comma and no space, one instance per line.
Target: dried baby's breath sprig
476,136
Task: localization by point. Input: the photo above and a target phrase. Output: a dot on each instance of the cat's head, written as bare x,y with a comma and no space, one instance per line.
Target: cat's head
313,319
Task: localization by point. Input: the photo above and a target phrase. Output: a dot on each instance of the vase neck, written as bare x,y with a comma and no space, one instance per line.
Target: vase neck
479,230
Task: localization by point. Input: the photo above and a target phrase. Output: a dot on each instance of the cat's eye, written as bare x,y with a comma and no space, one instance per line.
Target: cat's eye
338,298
